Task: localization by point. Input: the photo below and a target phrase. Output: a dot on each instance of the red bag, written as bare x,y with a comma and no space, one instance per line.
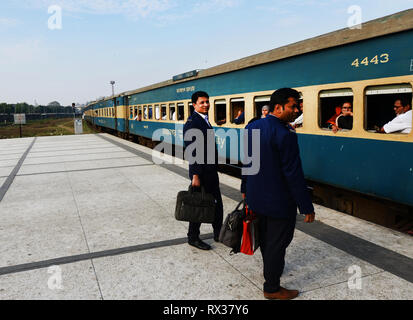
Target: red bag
250,235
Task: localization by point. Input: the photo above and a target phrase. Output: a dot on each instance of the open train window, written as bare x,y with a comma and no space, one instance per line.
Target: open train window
259,103
135,113
191,109
181,111
139,116
157,112
130,113
145,112
220,112
298,123
150,112
163,112
238,111
384,104
331,108
172,112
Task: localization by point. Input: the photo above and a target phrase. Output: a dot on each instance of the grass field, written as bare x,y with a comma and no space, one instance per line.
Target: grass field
46,127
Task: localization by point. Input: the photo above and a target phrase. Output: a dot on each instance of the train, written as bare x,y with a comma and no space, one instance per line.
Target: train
369,67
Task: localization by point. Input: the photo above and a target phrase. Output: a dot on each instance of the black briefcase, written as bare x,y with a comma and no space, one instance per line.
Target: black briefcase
231,231
197,207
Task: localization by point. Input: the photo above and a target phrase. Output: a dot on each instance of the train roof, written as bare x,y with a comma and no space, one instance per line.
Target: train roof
394,23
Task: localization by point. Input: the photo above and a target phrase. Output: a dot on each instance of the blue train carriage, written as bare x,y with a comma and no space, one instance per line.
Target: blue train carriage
108,113
370,68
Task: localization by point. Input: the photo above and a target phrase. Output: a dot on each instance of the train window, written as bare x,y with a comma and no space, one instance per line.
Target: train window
157,112
172,112
238,111
220,112
139,117
145,112
331,108
181,113
163,111
191,109
381,102
298,123
150,112
259,103
130,113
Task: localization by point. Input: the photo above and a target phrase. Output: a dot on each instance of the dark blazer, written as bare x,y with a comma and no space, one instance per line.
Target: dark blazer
208,173
279,187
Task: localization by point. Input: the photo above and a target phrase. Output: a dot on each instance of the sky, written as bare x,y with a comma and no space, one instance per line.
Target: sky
141,42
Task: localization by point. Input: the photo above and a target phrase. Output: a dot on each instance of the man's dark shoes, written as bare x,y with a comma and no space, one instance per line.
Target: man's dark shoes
199,244
282,294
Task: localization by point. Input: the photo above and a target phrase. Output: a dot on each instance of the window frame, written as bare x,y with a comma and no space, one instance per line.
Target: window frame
219,102
334,93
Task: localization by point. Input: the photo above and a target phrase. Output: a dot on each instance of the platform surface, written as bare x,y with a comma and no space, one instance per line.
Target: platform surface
92,217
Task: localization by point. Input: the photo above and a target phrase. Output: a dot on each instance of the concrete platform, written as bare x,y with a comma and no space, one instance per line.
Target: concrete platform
92,217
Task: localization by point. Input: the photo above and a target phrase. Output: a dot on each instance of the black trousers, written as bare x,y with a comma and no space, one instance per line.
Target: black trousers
194,228
276,235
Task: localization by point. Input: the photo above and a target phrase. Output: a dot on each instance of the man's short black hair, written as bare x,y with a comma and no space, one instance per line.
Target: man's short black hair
281,97
197,95
404,102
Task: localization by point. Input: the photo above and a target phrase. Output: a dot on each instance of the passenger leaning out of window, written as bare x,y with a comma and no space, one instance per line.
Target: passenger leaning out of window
299,121
345,119
403,121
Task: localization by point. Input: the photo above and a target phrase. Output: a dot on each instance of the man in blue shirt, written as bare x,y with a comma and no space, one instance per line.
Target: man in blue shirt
276,191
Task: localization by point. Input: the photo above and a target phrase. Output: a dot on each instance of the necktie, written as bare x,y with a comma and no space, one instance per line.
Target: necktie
207,120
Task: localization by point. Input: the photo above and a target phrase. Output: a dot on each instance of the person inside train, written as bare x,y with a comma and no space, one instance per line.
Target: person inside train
138,116
299,121
403,121
345,119
240,119
265,111
332,121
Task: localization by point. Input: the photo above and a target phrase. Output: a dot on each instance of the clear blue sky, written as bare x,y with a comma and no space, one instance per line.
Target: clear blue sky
141,42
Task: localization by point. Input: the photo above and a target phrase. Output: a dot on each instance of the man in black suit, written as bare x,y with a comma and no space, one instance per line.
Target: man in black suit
203,169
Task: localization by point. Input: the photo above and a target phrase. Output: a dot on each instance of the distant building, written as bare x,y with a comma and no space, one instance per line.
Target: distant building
54,104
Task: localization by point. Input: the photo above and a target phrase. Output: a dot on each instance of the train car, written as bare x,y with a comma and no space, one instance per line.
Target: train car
369,67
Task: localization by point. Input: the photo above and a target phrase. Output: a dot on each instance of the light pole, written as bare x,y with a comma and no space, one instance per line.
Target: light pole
113,87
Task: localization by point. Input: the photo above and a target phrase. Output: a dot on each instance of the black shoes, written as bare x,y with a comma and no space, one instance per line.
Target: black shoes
200,244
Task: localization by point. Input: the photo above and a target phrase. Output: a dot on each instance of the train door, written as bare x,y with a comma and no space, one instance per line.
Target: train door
127,110
116,103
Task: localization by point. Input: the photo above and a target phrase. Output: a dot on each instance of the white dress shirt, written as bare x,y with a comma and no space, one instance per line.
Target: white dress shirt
299,120
401,124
